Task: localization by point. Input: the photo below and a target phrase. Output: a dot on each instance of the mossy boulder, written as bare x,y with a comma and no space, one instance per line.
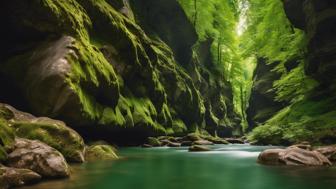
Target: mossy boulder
99,152
54,133
154,141
6,139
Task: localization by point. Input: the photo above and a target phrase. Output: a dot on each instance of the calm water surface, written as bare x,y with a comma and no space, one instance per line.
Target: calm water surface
227,167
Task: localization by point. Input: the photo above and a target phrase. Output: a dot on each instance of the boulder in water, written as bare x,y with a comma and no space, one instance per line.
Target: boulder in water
100,152
293,156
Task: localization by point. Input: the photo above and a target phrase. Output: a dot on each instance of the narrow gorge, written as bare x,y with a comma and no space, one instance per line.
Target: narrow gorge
180,93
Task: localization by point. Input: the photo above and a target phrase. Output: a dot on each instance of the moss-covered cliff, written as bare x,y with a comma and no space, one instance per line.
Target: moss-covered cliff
305,88
113,63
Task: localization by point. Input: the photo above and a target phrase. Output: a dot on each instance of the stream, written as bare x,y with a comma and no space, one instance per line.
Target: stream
226,167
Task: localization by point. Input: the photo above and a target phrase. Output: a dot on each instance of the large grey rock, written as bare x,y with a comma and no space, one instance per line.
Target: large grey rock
293,156
12,177
38,157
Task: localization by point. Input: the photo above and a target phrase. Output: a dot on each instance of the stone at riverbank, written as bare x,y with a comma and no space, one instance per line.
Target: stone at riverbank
38,157
188,140
100,152
55,133
293,156
12,177
202,142
198,148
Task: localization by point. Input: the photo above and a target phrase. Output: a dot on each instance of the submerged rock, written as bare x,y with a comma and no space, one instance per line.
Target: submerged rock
198,148
38,157
13,177
100,152
293,156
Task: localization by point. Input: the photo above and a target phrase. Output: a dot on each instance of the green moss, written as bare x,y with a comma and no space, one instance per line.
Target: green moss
6,138
100,152
154,141
306,120
55,134
179,126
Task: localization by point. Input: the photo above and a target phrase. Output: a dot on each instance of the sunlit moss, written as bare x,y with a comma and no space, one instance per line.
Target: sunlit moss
6,138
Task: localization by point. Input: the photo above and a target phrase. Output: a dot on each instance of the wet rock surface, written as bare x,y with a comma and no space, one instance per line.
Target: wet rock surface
13,177
293,156
38,157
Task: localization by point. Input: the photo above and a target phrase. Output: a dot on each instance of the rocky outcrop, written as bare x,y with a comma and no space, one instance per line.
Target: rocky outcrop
111,67
293,156
192,139
12,177
328,151
262,105
169,21
55,133
100,152
38,157
318,19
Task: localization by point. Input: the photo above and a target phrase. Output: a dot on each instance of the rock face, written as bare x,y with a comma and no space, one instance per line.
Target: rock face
262,105
12,177
52,132
293,156
111,67
318,19
38,157
307,109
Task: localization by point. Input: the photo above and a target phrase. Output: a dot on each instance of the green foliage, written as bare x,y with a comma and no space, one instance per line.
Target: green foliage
293,86
306,120
270,34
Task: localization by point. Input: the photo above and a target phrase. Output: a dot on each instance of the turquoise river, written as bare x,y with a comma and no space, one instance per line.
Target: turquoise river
226,167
